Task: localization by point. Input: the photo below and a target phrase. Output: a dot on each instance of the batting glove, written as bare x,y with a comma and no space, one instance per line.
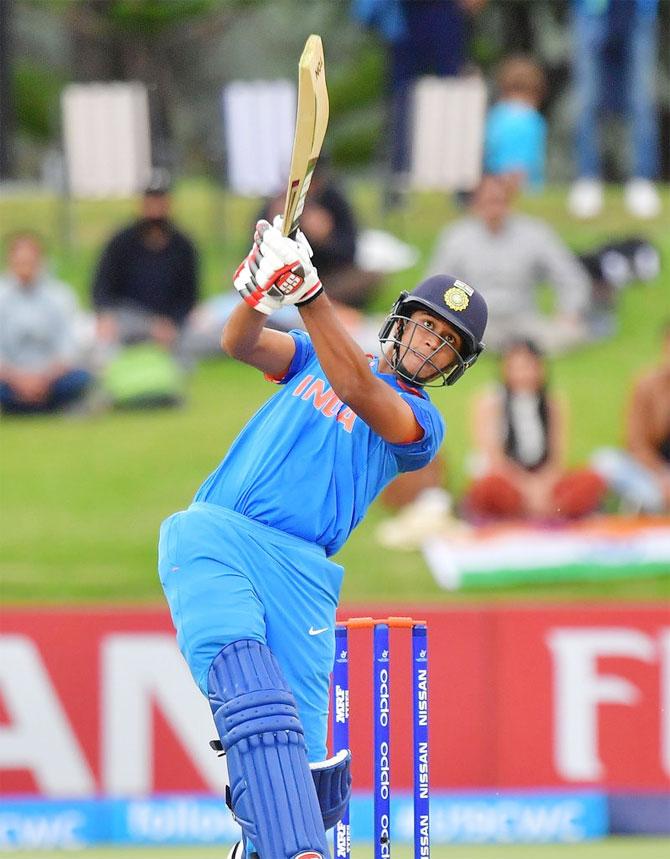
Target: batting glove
245,282
278,270
287,264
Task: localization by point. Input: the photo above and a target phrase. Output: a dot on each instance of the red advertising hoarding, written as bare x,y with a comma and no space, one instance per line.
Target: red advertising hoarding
100,701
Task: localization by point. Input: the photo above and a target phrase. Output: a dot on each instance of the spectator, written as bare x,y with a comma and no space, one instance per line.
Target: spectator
615,59
509,255
427,38
328,222
39,370
515,139
520,434
146,281
640,474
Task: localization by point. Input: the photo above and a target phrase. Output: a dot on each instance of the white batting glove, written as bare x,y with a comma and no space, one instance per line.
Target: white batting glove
286,267
278,270
245,282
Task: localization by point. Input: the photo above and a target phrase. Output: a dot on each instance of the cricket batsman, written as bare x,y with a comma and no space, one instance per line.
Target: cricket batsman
246,568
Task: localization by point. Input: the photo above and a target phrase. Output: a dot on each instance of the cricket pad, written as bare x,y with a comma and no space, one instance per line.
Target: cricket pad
272,790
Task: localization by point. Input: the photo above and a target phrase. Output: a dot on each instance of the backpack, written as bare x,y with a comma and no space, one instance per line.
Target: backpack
143,376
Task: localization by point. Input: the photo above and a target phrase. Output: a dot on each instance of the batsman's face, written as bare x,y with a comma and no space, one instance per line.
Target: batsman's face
430,345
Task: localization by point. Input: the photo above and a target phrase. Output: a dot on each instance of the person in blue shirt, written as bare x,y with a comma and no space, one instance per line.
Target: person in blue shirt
515,139
246,568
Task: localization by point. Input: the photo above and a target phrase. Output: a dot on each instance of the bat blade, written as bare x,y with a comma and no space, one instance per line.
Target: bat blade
310,129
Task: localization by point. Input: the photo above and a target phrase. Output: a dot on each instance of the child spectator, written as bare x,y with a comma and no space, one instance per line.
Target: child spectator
515,139
520,436
39,370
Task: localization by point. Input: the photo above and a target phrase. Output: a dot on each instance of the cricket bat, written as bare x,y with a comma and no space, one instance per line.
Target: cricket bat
310,130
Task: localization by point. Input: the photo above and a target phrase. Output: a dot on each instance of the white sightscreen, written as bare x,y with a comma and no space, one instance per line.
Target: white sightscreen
106,137
258,123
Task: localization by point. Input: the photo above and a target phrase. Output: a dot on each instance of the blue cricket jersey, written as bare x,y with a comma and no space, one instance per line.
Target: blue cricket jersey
307,465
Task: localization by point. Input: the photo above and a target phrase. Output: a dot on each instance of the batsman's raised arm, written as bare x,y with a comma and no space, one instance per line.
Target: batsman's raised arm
279,270
244,336
347,368
419,347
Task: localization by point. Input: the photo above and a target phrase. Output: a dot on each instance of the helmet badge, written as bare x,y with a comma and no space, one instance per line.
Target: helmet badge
456,298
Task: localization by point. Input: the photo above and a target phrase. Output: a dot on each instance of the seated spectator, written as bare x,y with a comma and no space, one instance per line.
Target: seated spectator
328,222
39,362
640,474
520,435
146,281
508,255
515,139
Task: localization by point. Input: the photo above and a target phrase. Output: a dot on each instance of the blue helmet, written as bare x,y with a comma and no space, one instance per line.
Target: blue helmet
449,299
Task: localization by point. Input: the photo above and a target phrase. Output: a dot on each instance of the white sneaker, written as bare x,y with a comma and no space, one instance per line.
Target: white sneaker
586,198
642,199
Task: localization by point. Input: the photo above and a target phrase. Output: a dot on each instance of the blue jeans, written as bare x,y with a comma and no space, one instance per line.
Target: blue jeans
64,390
619,45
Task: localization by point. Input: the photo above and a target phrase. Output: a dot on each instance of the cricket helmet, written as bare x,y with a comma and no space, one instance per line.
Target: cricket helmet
451,300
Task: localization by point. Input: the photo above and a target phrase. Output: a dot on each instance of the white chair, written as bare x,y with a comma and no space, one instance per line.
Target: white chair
259,119
447,133
106,138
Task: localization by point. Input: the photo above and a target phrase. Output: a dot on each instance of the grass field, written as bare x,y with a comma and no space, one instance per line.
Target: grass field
611,848
82,498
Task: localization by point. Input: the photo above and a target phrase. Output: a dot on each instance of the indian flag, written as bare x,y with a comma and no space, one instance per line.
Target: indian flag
603,548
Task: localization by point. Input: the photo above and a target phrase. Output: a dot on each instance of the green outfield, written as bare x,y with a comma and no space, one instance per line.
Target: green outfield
82,498
611,848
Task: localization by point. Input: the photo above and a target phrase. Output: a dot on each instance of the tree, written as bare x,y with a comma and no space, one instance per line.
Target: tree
139,40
